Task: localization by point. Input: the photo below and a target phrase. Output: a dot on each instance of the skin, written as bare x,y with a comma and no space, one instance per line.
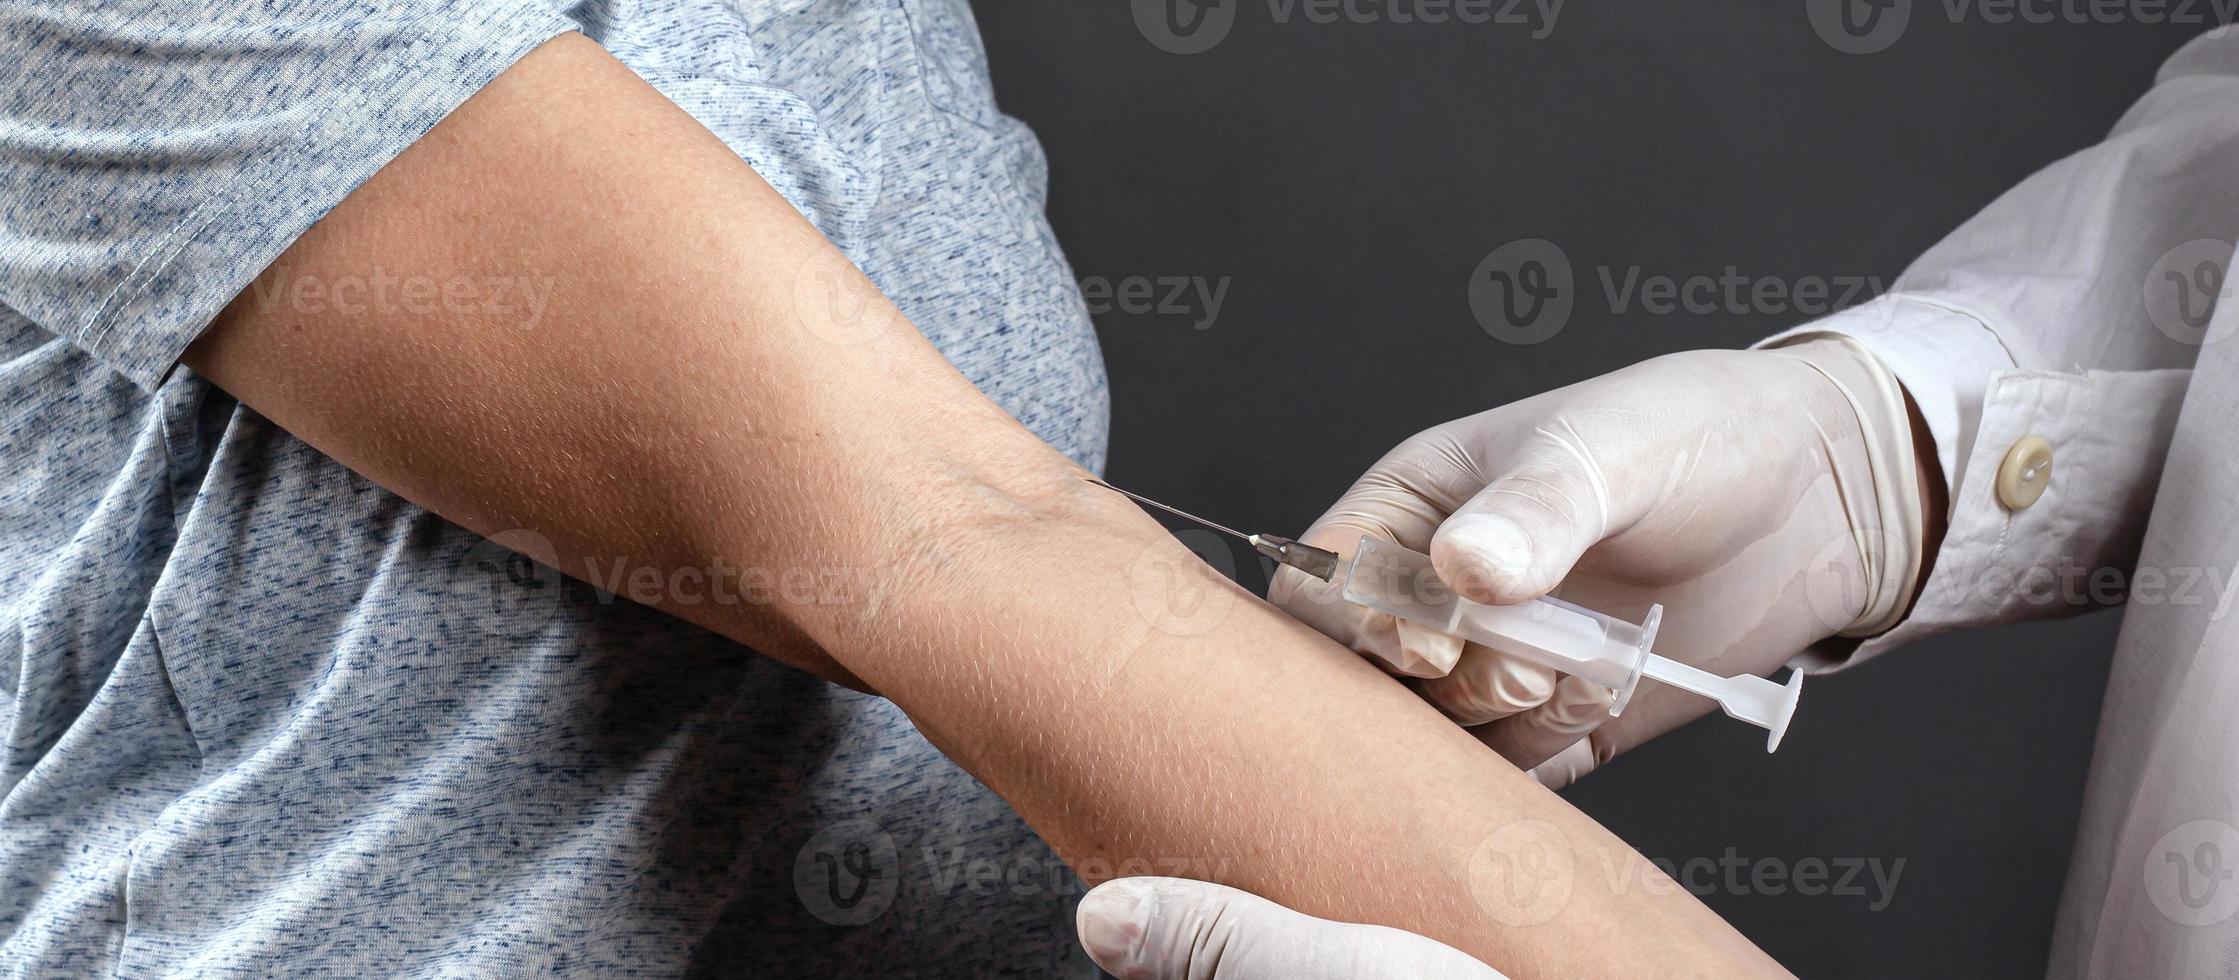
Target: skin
710,383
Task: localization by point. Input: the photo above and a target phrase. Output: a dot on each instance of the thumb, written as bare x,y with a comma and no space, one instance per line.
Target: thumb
1516,539
1179,929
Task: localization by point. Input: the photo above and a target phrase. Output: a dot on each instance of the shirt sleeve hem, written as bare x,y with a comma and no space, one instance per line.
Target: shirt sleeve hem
1945,358
2073,549
187,278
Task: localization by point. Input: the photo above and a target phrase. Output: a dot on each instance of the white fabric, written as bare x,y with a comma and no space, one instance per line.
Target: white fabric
2063,311
2109,430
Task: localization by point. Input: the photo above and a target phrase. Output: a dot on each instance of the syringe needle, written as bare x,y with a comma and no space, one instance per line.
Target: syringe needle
1305,557
1176,511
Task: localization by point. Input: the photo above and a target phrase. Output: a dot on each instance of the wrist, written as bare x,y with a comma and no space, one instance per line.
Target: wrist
1867,435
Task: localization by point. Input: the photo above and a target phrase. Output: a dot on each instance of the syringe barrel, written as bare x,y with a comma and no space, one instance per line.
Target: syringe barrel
1573,639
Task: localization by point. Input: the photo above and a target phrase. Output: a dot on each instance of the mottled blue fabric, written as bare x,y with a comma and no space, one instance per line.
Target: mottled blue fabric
263,717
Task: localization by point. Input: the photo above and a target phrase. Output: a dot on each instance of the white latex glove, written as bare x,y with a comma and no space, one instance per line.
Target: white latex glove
1768,498
1178,929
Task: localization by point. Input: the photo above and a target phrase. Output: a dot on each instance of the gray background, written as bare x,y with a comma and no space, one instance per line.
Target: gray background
1348,178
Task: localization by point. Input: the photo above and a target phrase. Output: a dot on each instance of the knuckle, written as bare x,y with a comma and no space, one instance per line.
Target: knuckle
1577,706
1521,683
1489,685
1458,699
1428,652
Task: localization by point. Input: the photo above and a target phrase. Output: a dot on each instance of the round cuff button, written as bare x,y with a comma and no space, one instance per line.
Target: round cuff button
2025,472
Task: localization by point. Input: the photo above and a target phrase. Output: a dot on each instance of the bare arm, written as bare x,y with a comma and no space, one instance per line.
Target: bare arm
711,382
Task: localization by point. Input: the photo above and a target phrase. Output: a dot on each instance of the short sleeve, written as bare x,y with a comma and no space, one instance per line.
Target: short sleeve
156,155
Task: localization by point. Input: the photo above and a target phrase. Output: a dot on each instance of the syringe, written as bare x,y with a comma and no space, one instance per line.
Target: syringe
1549,631
1568,637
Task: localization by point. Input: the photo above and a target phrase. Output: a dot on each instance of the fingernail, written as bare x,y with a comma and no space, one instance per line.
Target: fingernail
1110,921
1493,550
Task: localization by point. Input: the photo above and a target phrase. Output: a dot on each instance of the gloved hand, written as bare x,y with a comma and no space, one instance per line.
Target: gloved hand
1178,929
1770,499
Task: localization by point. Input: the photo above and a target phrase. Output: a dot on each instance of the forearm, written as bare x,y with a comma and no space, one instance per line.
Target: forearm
1142,724
709,386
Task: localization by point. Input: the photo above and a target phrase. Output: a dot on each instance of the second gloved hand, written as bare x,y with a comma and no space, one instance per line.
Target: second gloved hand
1179,929
1770,499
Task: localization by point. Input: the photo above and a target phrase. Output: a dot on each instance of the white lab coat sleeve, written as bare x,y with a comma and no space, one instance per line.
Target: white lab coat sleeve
2072,308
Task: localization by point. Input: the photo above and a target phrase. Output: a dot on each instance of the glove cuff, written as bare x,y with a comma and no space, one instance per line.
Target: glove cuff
1883,503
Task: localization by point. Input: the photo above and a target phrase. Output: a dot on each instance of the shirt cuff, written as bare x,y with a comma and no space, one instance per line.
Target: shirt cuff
2074,546
1945,359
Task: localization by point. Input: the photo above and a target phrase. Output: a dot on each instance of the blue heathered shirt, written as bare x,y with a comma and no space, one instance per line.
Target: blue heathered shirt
259,716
